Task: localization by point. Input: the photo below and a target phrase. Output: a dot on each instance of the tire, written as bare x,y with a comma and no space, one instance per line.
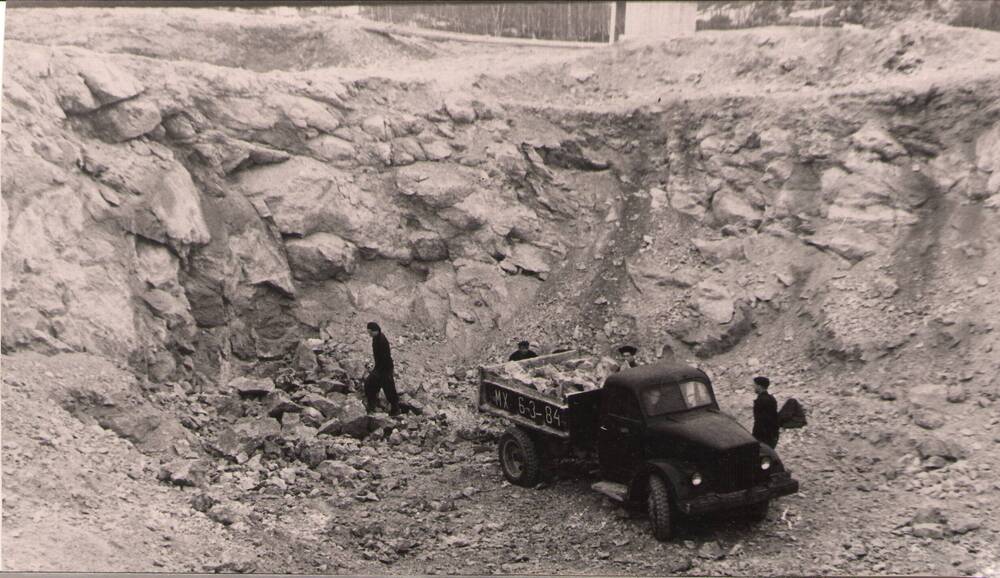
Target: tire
658,504
757,512
520,459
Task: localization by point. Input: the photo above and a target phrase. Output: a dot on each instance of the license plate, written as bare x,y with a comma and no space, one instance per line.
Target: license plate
514,403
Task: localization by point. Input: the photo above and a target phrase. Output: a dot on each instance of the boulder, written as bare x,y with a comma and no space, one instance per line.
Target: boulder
708,337
305,358
246,436
106,81
322,256
127,120
874,138
459,109
229,512
151,432
928,419
688,203
185,472
719,250
715,302
336,471
326,406
932,446
252,387
278,403
988,150
436,150
160,200
957,394
429,248
437,185
312,453
350,418
305,196
730,207
312,417
329,386
530,258
376,127
332,148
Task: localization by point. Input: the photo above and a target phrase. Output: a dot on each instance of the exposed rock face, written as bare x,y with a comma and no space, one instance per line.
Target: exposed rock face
190,220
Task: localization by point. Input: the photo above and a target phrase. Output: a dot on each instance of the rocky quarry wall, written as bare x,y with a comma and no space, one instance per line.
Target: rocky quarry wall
195,220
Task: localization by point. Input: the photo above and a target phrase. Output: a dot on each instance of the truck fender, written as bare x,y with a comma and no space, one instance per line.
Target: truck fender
776,465
670,474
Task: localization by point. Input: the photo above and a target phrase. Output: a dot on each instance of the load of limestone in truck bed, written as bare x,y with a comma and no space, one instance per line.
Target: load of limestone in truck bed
561,378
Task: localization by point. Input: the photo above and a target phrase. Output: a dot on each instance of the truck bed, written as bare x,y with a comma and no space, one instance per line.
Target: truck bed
573,419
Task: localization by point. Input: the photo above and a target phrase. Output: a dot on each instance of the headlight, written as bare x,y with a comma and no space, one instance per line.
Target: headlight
765,463
696,479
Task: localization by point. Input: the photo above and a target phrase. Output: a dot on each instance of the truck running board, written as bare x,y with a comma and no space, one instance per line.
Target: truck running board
615,491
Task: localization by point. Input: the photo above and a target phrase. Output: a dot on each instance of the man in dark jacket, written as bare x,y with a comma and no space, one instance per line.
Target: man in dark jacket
381,376
523,352
765,413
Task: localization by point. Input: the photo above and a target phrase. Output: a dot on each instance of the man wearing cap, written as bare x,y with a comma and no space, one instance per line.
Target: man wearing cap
523,352
628,356
381,376
765,413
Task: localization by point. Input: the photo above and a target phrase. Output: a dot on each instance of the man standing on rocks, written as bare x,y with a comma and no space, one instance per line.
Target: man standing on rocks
523,352
765,413
381,376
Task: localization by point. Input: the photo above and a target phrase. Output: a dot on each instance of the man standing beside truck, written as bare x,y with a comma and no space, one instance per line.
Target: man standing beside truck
765,413
381,376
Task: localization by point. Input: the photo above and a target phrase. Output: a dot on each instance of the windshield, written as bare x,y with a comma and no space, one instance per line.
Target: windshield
668,398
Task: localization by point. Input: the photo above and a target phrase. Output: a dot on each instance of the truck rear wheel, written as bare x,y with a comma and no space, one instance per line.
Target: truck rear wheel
658,503
520,459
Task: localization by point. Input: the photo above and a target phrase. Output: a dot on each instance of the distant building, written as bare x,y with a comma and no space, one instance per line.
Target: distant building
655,19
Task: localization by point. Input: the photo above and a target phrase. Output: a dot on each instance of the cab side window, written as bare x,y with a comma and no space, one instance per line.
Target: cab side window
621,403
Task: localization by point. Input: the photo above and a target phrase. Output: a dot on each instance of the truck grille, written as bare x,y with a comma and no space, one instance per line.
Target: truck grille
738,468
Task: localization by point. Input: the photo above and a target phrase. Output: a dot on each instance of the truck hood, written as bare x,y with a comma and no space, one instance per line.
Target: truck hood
709,430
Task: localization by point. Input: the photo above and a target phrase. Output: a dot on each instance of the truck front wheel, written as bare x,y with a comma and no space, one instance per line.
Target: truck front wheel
658,503
757,512
519,458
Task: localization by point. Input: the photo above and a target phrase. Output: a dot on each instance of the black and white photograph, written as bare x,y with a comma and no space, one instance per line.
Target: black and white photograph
638,288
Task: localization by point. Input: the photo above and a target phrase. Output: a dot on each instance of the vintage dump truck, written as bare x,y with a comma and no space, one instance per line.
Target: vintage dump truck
658,434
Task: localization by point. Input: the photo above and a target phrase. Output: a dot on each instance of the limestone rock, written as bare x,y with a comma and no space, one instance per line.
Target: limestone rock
306,196
849,243
127,120
332,148
312,417
185,472
328,407
322,256
246,436
930,447
336,471
278,404
437,185
459,109
530,258
729,207
874,138
429,248
252,387
436,150
715,302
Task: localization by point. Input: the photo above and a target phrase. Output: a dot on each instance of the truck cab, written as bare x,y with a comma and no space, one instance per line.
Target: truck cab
661,425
